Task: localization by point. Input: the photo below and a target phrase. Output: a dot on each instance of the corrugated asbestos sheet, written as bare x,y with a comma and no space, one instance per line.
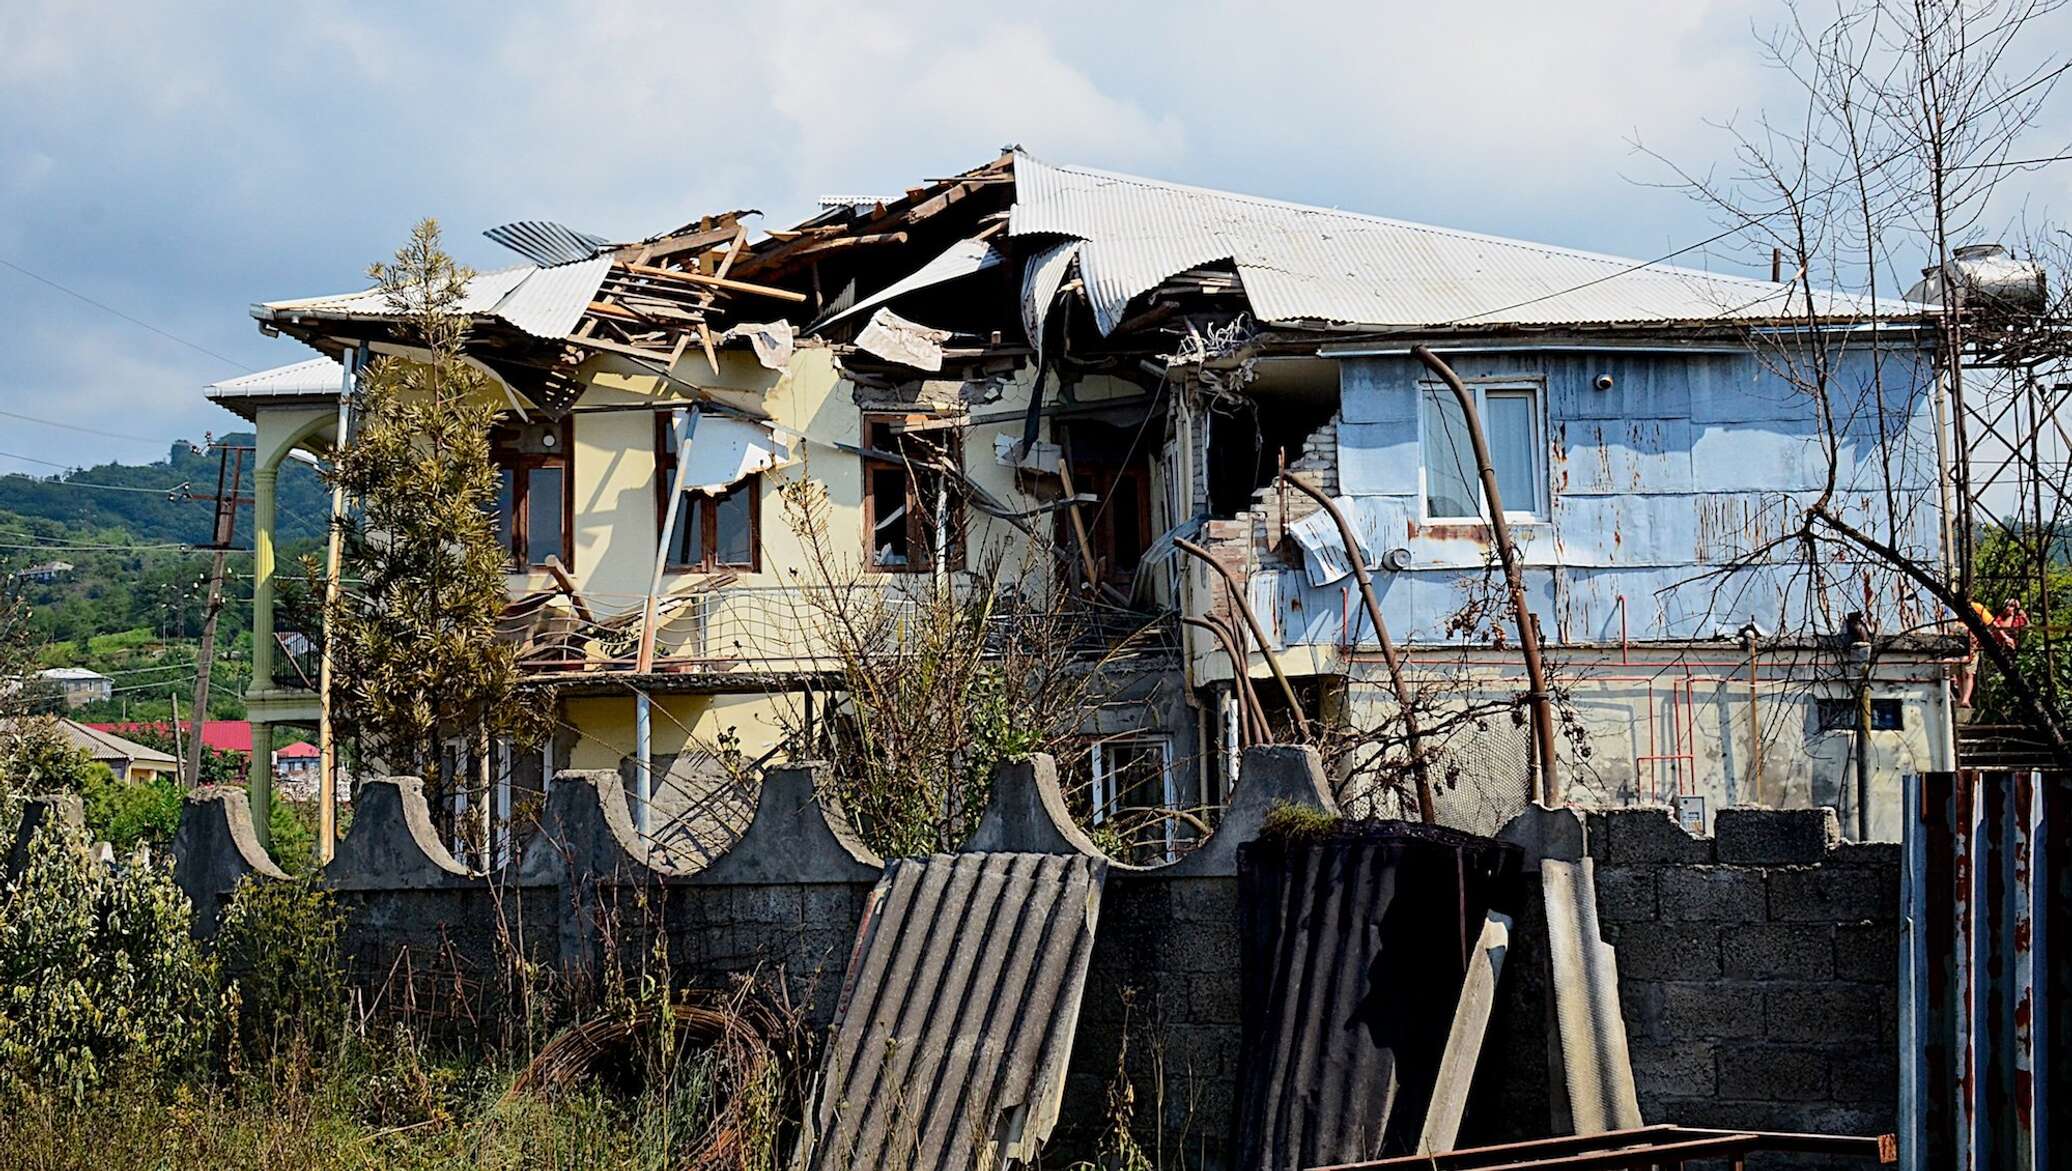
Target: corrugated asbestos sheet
1595,1091
957,1014
1355,949
545,242
1318,264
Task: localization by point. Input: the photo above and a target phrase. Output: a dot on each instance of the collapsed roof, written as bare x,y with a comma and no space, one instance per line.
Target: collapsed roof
1130,262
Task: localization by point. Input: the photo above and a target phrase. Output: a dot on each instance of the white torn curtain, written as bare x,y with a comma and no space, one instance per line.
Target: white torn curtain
960,260
772,340
1323,551
896,339
726,451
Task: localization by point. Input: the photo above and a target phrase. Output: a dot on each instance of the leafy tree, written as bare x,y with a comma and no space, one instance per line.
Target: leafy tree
415,649
99,972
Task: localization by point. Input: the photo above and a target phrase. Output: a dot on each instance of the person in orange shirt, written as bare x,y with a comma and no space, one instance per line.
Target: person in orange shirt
2006,627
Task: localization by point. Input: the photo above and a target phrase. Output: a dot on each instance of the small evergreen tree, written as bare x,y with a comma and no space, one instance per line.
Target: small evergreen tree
415,651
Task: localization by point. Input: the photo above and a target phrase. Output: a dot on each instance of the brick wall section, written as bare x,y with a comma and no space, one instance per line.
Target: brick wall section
1317,462
1757,968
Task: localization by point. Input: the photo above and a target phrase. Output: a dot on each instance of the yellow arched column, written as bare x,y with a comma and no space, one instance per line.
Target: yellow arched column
279,433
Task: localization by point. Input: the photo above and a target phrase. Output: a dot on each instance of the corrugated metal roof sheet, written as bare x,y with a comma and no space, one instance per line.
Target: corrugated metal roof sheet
549,302
544,302
320,377
545,242
1354,951
958,1013
1302,263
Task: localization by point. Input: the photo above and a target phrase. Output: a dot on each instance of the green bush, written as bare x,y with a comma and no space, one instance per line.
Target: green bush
97,973
126,814
278,950
292,837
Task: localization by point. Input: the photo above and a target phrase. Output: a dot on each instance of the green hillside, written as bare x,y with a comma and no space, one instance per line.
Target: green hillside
150,518
132,604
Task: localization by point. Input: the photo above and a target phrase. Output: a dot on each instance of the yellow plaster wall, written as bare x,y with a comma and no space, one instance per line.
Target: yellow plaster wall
605,724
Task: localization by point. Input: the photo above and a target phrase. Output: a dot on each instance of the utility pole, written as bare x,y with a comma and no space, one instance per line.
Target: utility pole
230,470
205,658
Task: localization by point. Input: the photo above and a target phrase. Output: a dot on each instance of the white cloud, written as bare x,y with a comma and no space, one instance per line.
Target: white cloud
181,161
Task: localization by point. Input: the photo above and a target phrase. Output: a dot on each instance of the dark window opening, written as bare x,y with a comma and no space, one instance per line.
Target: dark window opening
1111,464
912,499
1839,715
712,531
535,501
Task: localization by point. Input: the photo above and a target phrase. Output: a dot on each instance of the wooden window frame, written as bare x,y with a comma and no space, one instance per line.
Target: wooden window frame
920,537
522,464
708,507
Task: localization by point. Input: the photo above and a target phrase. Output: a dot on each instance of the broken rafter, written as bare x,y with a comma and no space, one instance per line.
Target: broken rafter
716,282
843,243
719,231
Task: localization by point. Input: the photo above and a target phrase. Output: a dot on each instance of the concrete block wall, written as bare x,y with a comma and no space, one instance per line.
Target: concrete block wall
1758,967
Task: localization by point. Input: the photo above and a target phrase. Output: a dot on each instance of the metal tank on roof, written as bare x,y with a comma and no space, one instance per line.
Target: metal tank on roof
1988,277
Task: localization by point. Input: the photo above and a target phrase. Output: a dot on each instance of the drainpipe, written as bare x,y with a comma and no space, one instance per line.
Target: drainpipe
327,739
1528,629
1755,719
1244,609
1426,810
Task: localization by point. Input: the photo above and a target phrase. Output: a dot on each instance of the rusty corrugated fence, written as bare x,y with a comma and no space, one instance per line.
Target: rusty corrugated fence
1985,1004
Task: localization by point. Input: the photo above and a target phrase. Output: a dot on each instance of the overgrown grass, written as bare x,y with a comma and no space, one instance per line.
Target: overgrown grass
364,1106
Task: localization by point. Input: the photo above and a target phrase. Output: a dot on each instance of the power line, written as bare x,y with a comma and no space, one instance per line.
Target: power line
2014,163
85,430
107,548
106,308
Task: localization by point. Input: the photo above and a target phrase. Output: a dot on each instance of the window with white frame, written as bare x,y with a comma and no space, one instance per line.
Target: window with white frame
1511,425
1135,774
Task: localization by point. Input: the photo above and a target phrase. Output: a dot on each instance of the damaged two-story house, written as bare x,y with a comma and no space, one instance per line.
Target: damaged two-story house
1108,375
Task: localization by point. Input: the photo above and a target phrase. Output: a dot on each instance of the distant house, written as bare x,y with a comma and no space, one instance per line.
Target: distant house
48,571
127,759
216,735
295,770
77,685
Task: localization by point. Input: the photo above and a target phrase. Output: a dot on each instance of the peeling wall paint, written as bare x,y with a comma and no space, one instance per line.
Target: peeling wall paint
1686,463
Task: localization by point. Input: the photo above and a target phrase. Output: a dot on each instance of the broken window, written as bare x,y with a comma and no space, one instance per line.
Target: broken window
1112,465
535,501
1510,425
912,501
713,530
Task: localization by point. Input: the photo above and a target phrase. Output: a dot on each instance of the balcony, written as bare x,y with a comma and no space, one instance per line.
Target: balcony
795,630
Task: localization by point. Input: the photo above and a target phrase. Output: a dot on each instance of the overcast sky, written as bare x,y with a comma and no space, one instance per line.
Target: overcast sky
179,162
